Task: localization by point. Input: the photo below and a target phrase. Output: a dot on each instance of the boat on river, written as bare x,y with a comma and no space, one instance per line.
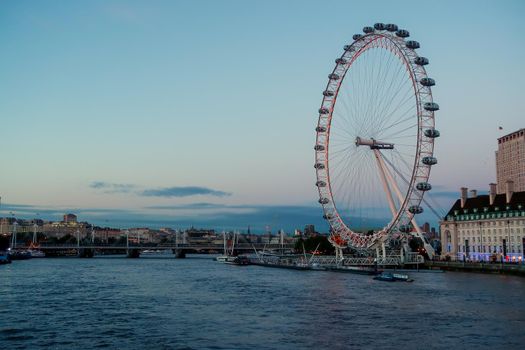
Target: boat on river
237,260
228,257
18,254
282,264
402,277
393,277
36,253
222,258
4,258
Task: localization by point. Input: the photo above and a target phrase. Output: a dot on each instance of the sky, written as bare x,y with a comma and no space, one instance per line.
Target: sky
179,113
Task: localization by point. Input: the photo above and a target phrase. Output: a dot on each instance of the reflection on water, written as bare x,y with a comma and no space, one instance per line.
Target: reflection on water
196,303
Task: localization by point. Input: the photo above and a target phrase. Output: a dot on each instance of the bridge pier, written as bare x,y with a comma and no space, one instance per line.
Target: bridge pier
86,253
133,253
179,253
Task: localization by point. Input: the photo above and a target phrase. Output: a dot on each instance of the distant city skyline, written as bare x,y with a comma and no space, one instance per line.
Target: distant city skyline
203,113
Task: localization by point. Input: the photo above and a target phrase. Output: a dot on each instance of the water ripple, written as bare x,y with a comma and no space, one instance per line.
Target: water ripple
200,304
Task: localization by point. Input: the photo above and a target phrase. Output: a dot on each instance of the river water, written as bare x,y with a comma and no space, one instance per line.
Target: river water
197,303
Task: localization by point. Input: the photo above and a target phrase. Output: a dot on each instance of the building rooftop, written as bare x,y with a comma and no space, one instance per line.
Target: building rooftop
519,132
483,201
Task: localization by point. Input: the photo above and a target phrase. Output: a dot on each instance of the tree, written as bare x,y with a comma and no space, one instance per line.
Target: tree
4,242
310,244
67,239
417,246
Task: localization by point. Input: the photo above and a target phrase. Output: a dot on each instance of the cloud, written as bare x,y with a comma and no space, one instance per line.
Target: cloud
108,187
98,184
189,206
16,206
183,192
199,214
175,191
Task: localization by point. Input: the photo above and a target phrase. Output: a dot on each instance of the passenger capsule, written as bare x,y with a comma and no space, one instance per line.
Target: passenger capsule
320,184
357,36
405,228
427,82
327,216
379,26
324,200
431,106
424,186
421,61
328,93
412,44
415,209
319,166
433,133
324,110
347,47
368,30
320,129
319,148
333,76
402,33
341,60
391,27
429,161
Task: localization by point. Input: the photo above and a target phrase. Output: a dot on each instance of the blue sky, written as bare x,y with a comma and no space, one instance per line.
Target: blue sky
128,106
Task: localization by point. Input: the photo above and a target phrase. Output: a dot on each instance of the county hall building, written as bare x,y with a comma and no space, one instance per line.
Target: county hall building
479,227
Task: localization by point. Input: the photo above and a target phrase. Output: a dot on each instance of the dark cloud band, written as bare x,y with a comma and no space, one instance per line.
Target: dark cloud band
175,191
183,192
108,187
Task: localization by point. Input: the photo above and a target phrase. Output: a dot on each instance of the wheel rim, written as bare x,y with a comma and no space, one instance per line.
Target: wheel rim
377,90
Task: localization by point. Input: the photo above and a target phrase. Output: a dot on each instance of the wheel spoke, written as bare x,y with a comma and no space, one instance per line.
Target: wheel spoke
377,99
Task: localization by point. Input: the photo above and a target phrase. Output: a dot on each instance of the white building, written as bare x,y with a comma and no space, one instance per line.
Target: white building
485,226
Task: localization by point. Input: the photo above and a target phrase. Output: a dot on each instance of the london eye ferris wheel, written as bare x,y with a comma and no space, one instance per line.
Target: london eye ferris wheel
375,138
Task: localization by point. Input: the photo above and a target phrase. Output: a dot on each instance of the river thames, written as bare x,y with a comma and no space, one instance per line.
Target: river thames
197,303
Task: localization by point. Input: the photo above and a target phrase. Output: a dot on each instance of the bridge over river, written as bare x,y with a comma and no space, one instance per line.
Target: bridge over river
134,250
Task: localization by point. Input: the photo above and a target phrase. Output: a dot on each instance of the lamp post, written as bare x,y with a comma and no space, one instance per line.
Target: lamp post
13,245
34,230
34,233
78,239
